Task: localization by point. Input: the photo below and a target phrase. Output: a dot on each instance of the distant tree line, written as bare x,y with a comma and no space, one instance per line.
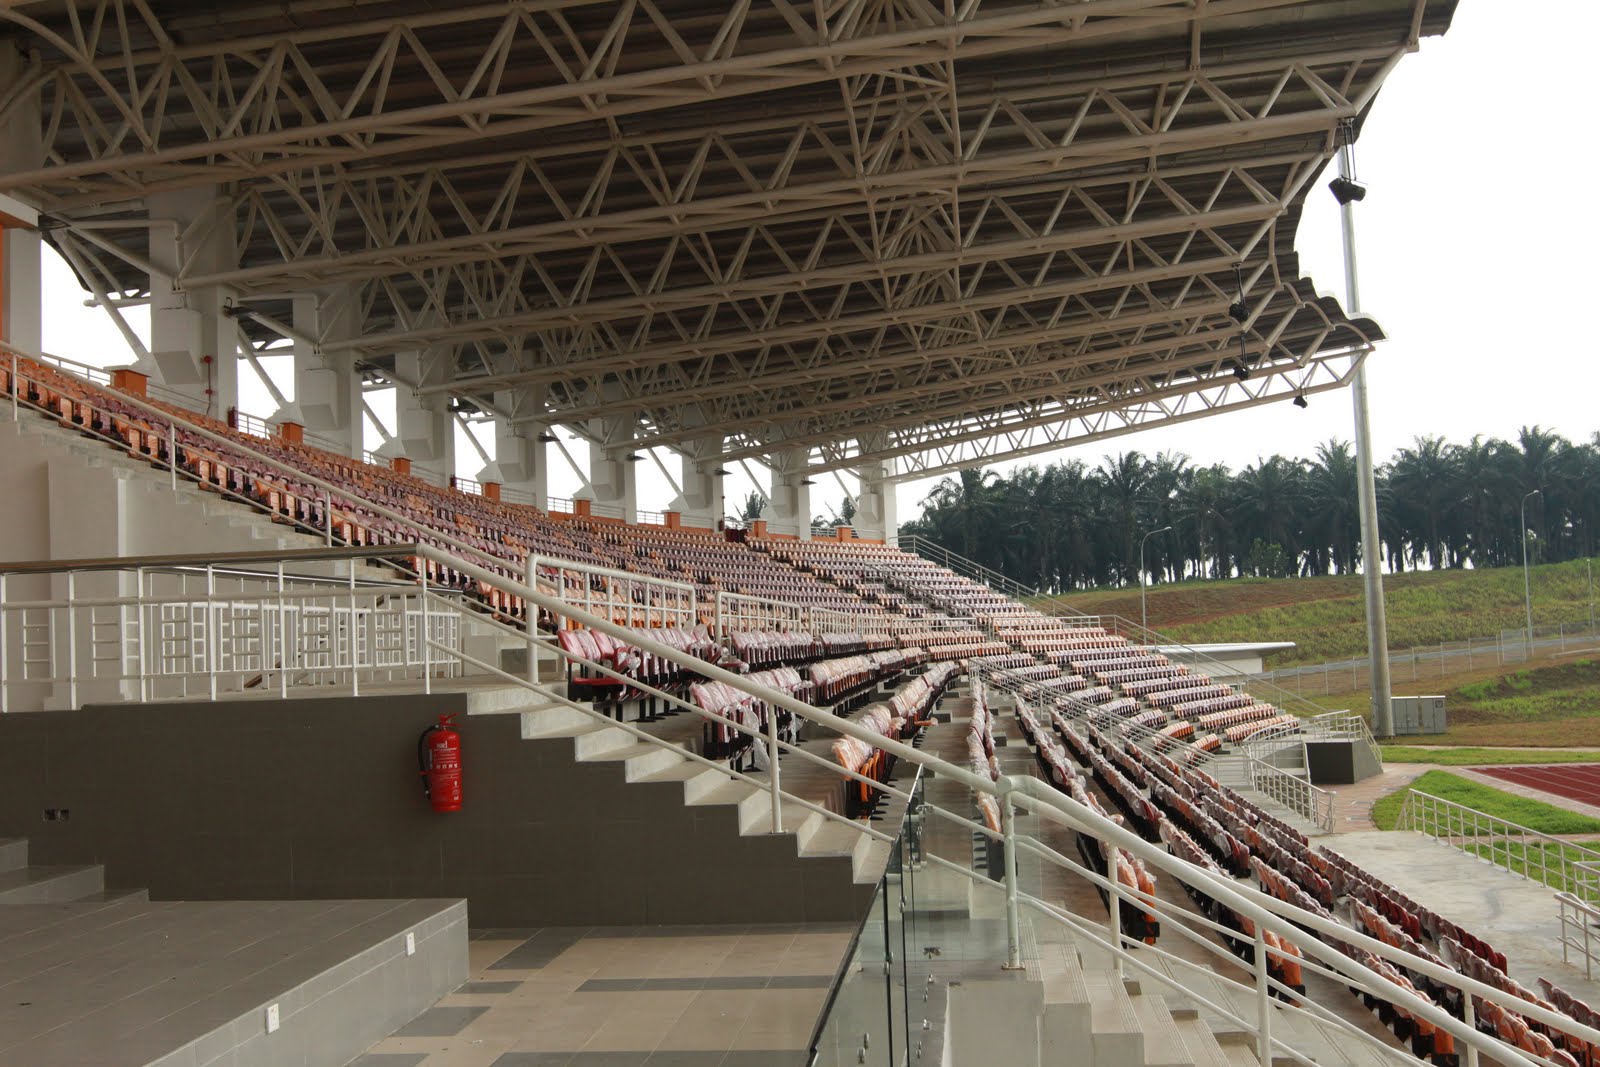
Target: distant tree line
1068,526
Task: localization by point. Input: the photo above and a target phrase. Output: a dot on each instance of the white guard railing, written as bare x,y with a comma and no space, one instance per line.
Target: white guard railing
831,621
627,598
739,611
204,626
1565,866
1019,797
733,612
1311,803
1580,932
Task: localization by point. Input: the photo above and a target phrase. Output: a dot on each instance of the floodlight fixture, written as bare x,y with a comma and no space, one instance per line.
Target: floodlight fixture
1346,190
1300,400
1242,372
546,437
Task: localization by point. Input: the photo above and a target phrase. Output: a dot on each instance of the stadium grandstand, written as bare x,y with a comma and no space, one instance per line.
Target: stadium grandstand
326,755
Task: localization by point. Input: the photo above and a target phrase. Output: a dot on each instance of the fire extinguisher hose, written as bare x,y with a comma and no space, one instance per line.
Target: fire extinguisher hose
423,758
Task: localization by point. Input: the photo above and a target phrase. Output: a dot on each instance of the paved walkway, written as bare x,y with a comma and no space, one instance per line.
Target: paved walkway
1352,812
722,996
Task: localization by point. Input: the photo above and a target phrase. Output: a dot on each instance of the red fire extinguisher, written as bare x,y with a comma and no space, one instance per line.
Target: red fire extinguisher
439,755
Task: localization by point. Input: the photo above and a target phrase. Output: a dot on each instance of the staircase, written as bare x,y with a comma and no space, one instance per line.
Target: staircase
668,766
90,976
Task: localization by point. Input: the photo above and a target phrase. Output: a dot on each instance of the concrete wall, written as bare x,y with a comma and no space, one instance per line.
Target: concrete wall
265,799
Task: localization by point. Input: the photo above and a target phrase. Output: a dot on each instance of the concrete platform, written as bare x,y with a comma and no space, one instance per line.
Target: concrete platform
131,983
1515,915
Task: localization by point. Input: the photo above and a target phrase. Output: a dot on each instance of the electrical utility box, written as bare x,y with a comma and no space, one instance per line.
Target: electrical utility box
1418,715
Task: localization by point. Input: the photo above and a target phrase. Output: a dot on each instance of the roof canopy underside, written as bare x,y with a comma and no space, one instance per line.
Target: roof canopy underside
944,232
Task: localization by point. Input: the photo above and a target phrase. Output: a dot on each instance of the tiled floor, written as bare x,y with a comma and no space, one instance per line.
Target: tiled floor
722,996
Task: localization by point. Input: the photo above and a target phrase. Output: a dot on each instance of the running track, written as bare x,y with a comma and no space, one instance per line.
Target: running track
1575,781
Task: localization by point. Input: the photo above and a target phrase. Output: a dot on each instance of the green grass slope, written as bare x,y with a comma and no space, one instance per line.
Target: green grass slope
1325,618
1533,814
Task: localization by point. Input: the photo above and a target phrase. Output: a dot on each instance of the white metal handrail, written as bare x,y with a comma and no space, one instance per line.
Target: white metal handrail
1314,804
740,611
162,633
1580,932
1564,865
629,597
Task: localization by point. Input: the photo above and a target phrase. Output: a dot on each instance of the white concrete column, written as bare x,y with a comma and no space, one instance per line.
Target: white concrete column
21,148
21,294
876,517
701,502
194,346
423,423
790,510
327,393
611,474
521,458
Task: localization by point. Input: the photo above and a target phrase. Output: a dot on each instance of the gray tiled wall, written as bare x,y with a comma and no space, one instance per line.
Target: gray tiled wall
320,799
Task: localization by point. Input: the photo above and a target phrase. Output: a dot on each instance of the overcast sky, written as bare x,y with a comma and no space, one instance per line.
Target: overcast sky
1471,249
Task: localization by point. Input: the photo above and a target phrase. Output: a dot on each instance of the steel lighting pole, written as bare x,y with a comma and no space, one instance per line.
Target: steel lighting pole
1144,620
1366,488
1527,588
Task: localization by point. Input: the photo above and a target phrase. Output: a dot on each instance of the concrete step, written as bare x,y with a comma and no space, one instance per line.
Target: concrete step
594,744
1204,1047
50,885
555,720
1163,1044
641,758
1304,1032
799,821
833,838
1117,1031
13,853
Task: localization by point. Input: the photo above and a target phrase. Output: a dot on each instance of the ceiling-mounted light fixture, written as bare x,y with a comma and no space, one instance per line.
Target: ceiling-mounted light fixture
719,473
546,437
632,457
1346,190
1242,372
1300,400
807,481
1237,311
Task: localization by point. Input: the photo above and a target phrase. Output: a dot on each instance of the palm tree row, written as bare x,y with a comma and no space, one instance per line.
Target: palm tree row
1068,526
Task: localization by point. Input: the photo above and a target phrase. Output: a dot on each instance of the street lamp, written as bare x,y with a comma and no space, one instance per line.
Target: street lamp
1144,620
1527,589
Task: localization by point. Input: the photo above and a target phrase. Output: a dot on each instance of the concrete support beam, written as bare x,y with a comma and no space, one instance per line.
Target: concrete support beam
876,516
789,512
327,393
700,504
193,344
423,422
612,489
21,148
522,458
